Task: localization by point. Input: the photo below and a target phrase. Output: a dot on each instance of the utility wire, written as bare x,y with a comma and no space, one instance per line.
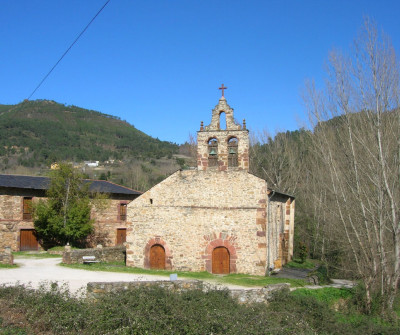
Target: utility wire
76,39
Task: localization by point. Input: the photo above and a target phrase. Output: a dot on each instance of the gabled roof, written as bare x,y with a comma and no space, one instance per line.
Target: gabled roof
42,183
269,190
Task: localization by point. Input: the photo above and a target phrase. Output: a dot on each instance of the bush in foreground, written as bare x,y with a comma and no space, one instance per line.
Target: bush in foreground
153,310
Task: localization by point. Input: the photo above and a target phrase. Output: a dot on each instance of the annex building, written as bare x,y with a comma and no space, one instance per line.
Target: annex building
217,217
18,193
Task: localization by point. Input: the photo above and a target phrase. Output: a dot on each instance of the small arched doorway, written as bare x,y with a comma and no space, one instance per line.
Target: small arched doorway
157,257
220,261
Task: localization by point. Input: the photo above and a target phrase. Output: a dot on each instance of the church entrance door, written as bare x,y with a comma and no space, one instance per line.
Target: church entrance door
220,260
157,257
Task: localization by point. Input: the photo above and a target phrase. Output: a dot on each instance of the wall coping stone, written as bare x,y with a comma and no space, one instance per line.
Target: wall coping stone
245,296
104,254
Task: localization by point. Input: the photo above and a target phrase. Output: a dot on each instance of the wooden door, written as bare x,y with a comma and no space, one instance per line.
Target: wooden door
28,240
157,257
121,236
220,260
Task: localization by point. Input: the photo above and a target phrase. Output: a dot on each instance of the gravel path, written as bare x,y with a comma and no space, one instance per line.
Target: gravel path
34,271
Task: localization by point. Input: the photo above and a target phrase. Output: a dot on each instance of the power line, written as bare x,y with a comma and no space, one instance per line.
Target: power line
76,39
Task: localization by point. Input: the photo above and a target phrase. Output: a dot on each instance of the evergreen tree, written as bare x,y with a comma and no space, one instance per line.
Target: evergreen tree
65,216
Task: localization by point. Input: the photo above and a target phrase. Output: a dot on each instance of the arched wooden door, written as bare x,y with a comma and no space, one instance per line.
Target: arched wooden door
220,260
157,257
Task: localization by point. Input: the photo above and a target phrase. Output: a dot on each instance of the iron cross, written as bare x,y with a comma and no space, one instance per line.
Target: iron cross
222,88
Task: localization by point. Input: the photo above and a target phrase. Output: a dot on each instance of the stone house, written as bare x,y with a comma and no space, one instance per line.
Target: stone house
18,193
217,217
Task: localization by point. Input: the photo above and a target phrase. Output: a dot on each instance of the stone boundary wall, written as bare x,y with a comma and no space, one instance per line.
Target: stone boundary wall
245,296
6,256
106,254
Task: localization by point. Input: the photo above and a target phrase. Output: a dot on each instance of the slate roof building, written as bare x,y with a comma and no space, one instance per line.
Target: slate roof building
217,217
17,193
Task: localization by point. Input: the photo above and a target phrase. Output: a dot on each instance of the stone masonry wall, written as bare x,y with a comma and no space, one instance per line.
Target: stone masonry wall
223,137
192,212
11,221
106,254
107,220
258,295
213,130
281,229
6,256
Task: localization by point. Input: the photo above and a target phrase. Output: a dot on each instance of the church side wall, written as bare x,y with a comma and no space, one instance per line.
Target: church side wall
192,212
290,208
281,229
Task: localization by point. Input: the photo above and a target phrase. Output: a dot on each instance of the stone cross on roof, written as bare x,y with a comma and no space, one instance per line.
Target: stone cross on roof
222,88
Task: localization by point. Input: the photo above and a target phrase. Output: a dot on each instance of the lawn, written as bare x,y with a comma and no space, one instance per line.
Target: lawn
8,266
233,279
34,254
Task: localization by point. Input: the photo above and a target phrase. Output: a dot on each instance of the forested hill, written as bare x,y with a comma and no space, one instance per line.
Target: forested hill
42,131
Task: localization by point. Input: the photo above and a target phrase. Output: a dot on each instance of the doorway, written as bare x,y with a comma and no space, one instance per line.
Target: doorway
121,236
220,261
157,257
28,240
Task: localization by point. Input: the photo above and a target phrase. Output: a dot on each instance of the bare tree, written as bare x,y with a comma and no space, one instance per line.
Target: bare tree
278,159
359,152
189,149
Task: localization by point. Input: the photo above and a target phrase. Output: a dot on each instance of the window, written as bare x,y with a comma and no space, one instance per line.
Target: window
212,152
122,212
27,209
233,152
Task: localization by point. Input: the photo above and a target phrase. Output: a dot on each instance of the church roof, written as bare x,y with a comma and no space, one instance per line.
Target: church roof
43,183
280,193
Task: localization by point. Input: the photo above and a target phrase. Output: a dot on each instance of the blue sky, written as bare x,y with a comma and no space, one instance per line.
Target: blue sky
158,64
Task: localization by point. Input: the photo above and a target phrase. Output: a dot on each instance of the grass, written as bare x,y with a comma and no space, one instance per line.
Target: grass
34,254
233,279
308,264
248,280
59,248
328,295
8,266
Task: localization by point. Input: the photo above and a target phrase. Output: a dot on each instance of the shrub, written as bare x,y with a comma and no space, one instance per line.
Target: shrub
303,252
52,309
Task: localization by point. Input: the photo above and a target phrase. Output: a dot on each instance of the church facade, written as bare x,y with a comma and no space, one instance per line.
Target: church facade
217,217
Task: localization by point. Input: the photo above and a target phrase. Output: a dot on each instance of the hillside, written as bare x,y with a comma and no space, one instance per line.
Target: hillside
42,131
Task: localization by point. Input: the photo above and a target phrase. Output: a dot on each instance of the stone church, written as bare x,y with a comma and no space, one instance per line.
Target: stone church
217,217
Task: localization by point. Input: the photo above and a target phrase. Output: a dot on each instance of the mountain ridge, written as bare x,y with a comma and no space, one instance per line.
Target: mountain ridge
44,131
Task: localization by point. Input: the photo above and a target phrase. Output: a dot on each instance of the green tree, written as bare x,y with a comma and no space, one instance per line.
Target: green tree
65,216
